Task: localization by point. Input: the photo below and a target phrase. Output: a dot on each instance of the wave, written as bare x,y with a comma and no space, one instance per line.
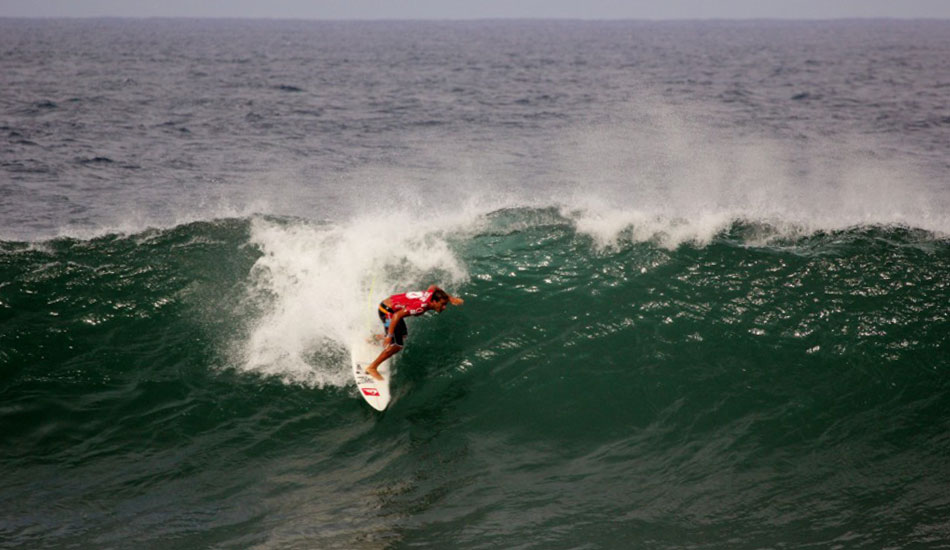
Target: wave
283,297
197,353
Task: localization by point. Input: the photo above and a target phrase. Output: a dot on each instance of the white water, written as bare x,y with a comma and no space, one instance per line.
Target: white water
320,285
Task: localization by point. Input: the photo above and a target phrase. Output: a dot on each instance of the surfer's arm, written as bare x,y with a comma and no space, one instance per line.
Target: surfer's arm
454,300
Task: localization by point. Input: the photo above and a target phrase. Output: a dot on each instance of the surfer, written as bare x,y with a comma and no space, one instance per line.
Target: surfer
394,310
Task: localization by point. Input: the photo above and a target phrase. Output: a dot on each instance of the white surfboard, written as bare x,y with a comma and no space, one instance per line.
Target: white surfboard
375,392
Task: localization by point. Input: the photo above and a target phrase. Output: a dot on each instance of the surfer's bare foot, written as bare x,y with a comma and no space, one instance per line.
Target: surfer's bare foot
374,373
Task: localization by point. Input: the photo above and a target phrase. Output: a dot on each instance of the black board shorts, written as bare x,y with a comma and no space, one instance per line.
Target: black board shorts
385,315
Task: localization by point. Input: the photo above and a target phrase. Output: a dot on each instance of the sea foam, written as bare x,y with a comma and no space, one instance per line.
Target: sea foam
317,286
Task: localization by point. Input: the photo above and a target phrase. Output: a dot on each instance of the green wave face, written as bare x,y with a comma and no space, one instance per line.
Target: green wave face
791,387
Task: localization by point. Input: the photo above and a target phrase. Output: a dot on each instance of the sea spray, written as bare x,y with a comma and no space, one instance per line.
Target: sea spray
317,286
666,175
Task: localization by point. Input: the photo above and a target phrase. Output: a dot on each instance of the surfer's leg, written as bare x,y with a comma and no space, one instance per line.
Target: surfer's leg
391,350
399,336
401,332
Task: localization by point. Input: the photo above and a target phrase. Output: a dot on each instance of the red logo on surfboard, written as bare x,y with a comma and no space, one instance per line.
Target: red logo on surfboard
370,391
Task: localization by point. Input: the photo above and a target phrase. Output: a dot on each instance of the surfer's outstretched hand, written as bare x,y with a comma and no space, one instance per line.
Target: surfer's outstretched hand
456,301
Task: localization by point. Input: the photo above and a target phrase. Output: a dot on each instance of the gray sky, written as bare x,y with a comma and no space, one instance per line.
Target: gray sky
469,9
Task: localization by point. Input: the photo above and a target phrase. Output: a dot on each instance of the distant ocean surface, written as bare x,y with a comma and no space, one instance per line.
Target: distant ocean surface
705,269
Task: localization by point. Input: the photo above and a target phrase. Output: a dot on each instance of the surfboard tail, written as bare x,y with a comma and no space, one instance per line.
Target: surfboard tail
375,392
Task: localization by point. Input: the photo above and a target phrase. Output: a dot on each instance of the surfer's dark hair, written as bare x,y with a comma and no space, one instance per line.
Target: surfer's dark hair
439,296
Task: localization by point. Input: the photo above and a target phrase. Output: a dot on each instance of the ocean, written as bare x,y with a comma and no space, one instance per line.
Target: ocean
704,264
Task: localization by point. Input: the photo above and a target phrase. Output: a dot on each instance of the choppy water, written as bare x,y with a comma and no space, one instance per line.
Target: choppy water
705,270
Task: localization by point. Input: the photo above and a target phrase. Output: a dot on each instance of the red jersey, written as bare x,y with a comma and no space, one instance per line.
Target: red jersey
415,303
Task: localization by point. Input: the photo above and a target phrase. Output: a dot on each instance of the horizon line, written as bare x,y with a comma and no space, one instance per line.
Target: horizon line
469,19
